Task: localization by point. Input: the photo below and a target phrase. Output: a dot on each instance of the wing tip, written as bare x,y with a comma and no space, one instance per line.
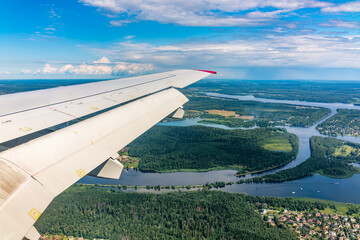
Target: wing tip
208,71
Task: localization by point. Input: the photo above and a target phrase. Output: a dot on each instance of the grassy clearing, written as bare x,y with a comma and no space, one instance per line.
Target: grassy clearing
341,208
277,144
345,151
130,162
223,113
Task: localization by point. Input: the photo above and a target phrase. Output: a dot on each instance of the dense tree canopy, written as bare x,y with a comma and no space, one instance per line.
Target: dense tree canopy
100,213
197,147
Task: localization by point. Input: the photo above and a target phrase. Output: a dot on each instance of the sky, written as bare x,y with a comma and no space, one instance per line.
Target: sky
240,39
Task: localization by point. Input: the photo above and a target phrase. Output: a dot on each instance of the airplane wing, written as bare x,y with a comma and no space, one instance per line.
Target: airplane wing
116,111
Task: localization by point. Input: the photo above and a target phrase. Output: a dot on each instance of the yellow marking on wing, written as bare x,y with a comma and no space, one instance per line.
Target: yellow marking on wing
34,214
81,173
25,129
93,108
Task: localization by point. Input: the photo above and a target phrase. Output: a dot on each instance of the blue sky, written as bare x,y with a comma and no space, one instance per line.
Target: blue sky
241,39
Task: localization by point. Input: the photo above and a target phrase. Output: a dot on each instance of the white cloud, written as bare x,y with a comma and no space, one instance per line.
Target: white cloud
49,69
129,37
102,60
119,23
5,73
273,14
86,69
132,68
307,50
26,71
341,24
345,7
99,67
201,13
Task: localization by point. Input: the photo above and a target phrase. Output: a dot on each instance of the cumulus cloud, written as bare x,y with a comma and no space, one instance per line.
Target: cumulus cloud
345,7
99,67
131,68
86,69
201,13
102,60
49,69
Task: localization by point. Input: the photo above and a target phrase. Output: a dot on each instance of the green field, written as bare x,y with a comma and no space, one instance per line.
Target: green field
346,151
277,144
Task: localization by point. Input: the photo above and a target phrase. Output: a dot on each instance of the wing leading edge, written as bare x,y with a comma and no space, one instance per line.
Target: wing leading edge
33,173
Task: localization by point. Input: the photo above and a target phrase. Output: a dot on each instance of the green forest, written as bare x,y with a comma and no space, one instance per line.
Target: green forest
204,148
265,114
345,122
325,159
93,212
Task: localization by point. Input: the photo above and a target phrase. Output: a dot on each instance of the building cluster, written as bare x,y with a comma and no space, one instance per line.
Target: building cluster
316,225
339,127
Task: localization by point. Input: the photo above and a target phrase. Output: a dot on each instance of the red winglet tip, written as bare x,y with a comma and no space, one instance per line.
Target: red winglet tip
212,72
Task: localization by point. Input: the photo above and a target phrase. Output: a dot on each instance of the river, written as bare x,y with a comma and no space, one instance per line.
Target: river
316,186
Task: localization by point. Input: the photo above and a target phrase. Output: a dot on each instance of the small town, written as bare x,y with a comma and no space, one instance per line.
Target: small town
315,225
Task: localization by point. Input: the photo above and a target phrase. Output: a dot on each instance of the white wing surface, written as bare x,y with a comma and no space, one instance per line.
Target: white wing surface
33,173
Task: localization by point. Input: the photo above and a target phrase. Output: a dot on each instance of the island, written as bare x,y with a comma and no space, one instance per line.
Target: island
199,148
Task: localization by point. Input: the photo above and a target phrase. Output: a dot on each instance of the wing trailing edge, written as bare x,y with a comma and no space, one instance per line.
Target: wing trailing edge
44,167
